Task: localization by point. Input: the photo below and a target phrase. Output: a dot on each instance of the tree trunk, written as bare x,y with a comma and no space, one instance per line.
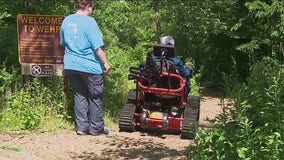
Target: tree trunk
28,6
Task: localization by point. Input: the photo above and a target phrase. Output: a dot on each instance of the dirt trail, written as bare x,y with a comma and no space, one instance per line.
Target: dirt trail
66,145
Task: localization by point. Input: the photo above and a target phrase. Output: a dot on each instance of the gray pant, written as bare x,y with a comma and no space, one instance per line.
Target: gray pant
88,92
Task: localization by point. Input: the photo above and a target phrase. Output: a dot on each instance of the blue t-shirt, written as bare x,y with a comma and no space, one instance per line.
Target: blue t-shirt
81,37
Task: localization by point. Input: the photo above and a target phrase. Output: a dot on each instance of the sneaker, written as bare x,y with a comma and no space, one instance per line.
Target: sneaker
81,133
105,132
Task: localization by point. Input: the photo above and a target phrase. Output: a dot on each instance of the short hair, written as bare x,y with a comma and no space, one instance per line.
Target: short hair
82,4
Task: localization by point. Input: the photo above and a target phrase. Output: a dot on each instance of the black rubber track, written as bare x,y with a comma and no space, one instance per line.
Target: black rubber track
191,117
127,119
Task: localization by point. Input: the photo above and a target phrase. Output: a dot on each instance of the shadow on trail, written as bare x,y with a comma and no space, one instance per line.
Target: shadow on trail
205,92
121,147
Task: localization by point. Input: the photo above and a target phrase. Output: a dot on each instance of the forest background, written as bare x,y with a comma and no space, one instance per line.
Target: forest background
234,46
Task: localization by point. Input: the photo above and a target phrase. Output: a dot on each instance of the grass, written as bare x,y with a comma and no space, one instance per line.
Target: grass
110,122
11,148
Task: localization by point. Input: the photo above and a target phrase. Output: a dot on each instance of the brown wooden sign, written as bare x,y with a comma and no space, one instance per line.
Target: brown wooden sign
38,39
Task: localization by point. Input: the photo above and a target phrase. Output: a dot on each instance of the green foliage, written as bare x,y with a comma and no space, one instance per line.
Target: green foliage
224,36
35,107
8,45
11,148
194,84
268,27
123,28
253,128
26,116
7,83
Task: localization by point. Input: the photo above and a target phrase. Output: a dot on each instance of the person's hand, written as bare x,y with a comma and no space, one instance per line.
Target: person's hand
106,68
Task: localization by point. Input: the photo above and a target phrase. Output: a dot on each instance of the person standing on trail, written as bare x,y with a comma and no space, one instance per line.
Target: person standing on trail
85,63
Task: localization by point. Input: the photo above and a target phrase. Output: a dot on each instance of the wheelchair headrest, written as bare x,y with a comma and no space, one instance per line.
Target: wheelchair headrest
164,50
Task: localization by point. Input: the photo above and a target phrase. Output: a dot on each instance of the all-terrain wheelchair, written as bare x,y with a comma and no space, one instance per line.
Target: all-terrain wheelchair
159,100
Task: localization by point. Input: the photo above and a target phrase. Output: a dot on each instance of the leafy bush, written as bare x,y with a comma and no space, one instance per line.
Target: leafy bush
21,112
35,107
254,128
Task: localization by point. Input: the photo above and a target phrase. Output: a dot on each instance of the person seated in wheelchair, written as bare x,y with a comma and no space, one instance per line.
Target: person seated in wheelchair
184,71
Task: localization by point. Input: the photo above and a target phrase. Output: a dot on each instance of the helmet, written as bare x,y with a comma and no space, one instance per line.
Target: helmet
167,40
